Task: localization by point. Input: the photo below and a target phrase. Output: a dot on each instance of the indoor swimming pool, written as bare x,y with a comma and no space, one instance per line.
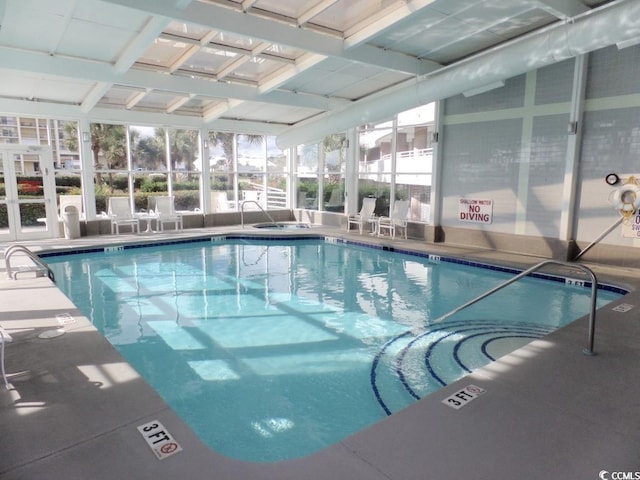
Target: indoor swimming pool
274,348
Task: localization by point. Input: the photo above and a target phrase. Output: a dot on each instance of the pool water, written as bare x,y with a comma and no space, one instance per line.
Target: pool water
274,349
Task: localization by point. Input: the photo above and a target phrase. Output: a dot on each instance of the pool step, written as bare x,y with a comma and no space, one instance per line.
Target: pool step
412,366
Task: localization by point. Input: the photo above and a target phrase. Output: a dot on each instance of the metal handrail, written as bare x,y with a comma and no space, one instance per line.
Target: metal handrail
259,206
34,258
594,292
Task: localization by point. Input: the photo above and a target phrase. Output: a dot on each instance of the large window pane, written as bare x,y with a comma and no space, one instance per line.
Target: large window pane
334,160
375,166
185,165
252,164
307,169
414,162
222,169
109,148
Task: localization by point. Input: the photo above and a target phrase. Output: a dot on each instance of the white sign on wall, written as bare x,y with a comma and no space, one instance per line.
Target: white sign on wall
475,211
631,229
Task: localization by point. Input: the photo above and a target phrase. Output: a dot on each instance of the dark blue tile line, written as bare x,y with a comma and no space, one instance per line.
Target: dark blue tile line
298,237
472,263
461,325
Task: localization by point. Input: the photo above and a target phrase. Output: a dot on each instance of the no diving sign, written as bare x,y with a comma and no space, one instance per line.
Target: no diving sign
159,439
475,210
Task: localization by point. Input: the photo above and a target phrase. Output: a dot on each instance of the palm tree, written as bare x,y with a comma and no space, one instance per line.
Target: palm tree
225,140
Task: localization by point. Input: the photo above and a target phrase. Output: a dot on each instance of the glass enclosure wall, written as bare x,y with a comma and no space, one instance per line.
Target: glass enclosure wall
143,161
396,162
320,174
62,137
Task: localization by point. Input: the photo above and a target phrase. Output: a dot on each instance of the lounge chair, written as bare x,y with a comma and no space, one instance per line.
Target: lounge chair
397,219
120,213
365,216
165,212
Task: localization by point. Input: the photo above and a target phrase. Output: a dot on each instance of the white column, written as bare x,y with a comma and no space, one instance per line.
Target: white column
87,166
567,216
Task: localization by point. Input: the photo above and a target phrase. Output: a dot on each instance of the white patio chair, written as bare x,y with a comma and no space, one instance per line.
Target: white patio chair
365,216
165,212
252,196
4,338
119,212
336,201
397,219
220,202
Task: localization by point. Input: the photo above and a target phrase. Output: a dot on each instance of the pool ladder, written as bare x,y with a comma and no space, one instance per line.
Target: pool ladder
594,292
40,268
259,206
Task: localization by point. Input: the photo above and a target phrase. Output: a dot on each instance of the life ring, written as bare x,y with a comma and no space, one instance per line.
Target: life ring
626,199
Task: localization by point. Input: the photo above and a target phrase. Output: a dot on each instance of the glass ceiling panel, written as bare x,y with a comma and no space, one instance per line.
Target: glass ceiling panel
287,8
255,69
163,52
209,60
234,40
344,15
283,51
188,30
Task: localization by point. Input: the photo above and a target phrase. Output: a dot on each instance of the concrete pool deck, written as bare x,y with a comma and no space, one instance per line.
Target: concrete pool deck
549,412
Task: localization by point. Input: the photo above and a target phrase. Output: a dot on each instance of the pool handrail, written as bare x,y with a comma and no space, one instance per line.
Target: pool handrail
594,292
259,206
39,267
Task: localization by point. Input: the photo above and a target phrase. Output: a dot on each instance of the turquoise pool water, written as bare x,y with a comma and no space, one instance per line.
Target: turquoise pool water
274,349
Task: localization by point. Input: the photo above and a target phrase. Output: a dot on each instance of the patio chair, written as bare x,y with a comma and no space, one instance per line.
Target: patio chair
165,212
4,338
252,196
365,216
336,201
220,202
397,219
119,212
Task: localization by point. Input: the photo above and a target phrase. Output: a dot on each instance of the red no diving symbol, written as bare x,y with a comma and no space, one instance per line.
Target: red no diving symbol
474,389
169,448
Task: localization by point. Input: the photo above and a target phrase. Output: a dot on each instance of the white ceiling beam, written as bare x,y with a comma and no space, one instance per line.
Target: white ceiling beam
247,4
314,11
140,43
110,115
94,96
40,63
191,51
285,74
228,20
136,98
236,63
382,20
177,103
232,65
563,8
218,110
